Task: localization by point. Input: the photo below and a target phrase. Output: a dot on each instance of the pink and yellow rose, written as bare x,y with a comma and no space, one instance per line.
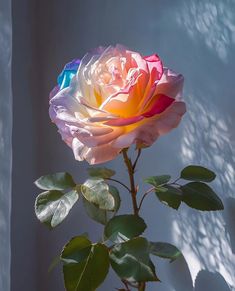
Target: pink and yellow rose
112,99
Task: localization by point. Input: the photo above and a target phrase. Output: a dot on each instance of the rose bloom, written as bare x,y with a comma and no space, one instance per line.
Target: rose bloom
114,98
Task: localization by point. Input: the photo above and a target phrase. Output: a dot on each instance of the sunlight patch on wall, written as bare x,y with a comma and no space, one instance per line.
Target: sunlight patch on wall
213,21
203,236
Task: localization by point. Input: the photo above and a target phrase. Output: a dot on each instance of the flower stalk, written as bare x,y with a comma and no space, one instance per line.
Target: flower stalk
142,286
133,188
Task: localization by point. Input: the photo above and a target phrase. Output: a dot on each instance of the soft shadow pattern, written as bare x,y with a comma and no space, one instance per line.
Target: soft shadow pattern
229,217
208,134
205,280
202,235
213,22
179,275
210,281
179,279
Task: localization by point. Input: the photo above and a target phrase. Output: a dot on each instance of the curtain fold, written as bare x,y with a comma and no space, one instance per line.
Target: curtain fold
5,141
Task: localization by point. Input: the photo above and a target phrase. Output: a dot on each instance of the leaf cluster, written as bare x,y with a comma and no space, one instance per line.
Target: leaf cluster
123,246
196,194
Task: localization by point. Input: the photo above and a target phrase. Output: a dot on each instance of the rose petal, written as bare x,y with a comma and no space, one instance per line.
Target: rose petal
54,91
97,155
101,154
155,66
79,150
171,84
68,73
97,140
160,105
171,118
112,99
155,69
148,132
124,121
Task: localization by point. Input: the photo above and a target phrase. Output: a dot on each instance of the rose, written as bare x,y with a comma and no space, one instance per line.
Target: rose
113,98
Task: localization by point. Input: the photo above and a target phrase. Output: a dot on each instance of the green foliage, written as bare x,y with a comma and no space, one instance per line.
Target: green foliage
76,250
104,173
196,194
117,200
164,250
85,265
94,212
157,180
197,173
124,227
57,181
200,196
169,195
97,191
101,215
51,207
131,261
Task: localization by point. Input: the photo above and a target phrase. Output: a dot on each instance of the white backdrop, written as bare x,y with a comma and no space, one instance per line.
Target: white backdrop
5,142
196,38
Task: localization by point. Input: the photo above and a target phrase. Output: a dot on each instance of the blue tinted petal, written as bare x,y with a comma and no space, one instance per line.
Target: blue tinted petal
68,73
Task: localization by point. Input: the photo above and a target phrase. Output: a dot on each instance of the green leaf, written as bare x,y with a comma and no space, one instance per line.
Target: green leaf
58,181
76,250
97,191
51,207
131,261
157,180
164,250
200,196
124,227
100,215
197,173
94,212
104,173
88,273
170,195
117,200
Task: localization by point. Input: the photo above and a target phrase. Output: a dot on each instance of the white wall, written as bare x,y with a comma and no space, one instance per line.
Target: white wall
196,38
5,142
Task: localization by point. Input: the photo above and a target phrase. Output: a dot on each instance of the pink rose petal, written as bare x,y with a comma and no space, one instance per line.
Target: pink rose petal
160,105
116,98
148,132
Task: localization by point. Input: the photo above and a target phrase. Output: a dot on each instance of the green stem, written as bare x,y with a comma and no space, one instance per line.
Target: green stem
142,286
136,160
133,189
126,285
145,194
119,182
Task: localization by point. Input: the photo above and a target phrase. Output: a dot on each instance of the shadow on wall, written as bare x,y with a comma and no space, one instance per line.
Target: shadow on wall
208,239
181,279
212,281
229,217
